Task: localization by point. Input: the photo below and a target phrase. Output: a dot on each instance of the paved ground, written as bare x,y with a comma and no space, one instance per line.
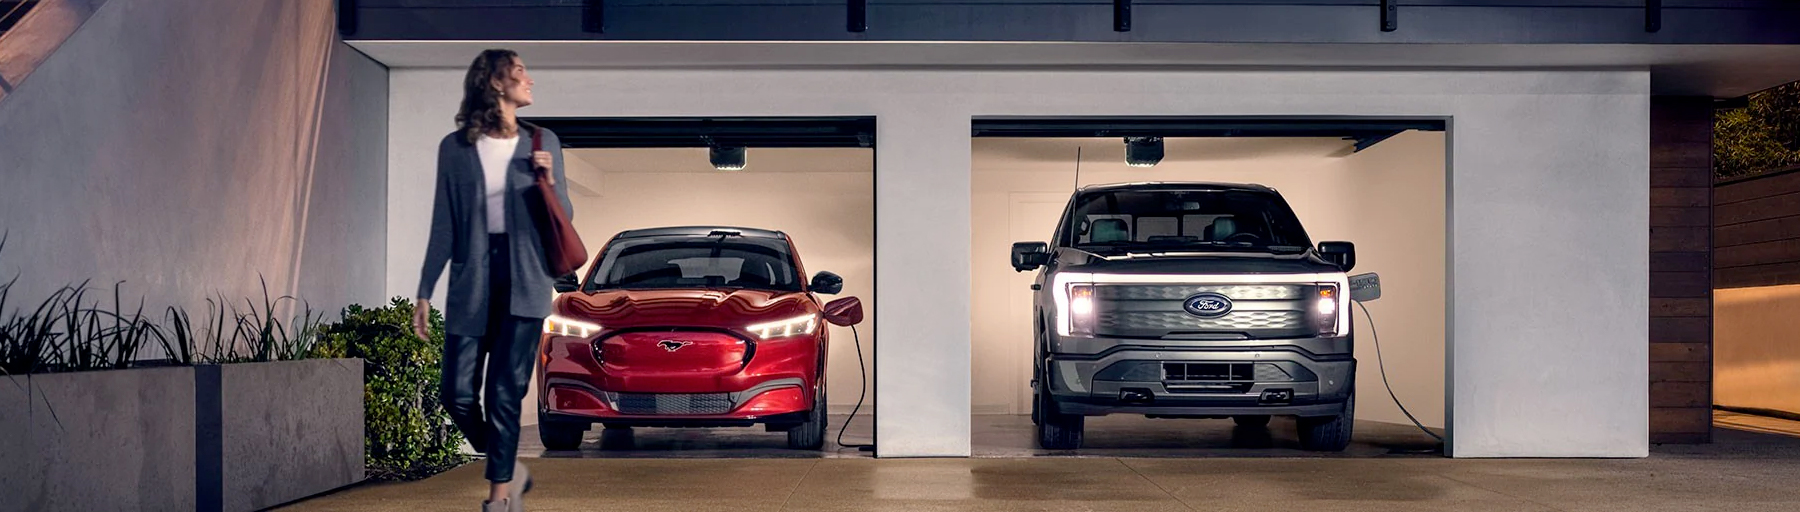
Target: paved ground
1004,436
1743,470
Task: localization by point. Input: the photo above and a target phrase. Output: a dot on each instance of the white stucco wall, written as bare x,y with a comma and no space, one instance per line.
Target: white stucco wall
1548,246
192,148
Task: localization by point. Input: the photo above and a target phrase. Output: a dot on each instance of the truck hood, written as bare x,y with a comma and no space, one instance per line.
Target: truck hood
1194,263
720,308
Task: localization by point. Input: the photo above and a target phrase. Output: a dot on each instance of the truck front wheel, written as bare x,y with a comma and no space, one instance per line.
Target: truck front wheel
1055,430
1329,433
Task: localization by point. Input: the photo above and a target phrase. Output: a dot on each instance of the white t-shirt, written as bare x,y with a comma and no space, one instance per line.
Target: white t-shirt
495,155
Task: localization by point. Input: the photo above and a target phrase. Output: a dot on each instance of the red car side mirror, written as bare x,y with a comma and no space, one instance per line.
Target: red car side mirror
845,312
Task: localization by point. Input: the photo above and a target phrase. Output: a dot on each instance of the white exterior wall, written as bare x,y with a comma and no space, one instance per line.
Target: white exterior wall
141,152
1547,234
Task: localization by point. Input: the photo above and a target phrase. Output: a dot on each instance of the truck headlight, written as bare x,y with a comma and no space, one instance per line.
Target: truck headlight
1078,318
783,328
564,326
1325,309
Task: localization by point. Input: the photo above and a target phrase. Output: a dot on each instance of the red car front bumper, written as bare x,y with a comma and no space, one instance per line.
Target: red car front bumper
678,378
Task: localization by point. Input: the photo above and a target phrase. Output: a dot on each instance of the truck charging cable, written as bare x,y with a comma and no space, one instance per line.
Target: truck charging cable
1384,378
860,395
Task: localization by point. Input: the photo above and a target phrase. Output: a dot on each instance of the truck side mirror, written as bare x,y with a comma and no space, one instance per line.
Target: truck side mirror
827,283
1029,255
1365,287
1342,254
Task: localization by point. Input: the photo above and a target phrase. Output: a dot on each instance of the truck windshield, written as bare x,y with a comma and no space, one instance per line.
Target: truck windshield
713,262
1154,220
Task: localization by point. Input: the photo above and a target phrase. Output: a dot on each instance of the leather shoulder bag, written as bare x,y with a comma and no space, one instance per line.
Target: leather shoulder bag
562,246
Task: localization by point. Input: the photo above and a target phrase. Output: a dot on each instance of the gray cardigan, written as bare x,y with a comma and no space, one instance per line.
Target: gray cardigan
459,234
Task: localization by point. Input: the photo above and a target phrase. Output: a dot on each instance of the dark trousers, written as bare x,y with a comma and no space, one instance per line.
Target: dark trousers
509,349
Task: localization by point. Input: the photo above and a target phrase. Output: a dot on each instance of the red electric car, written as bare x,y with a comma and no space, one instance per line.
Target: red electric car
690,327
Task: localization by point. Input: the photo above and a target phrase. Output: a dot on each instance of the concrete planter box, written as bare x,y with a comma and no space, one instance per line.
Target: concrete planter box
230,437
117,440
288,430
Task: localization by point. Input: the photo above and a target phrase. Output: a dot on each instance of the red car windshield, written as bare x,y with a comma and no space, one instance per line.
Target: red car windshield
696,263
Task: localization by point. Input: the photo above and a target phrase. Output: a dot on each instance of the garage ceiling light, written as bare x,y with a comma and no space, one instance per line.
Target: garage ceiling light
728,158
1143,151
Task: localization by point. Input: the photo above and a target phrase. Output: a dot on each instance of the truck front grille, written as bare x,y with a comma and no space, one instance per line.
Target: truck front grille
1181,321
1224,372
1183,291
1157,311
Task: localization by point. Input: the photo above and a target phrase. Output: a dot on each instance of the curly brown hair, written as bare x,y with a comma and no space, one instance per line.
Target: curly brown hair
480,112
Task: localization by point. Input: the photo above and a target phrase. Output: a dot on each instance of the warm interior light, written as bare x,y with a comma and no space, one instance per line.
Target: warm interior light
728,158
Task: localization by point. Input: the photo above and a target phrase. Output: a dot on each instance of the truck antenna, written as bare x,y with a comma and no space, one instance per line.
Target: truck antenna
1078,167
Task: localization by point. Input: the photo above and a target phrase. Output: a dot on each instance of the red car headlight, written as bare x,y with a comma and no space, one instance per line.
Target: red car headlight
564,326
784,328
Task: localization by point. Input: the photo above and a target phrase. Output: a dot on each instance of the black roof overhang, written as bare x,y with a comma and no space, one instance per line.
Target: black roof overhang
697,132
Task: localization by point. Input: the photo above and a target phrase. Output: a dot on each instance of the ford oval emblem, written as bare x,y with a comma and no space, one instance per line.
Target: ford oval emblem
1208,305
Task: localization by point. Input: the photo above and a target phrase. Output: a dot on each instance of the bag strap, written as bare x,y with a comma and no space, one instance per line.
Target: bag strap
537,144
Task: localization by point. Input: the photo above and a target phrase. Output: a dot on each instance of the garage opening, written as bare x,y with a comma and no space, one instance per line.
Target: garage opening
727,252
1172,240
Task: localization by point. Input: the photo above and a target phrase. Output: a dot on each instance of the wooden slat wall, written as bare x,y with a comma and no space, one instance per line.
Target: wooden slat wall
1756,231
1681,241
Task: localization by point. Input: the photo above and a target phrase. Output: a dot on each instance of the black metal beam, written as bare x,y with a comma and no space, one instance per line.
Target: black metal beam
593,17
1368,140
858,14
1731,103
1390,16
1121,15
811,132
1258,21
1357,129
346,17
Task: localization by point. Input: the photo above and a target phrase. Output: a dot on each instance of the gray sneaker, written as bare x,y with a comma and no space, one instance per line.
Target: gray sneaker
521,485
504,505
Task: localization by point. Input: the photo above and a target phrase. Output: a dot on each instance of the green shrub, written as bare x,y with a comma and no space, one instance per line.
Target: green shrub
1763,137
74,330
408,434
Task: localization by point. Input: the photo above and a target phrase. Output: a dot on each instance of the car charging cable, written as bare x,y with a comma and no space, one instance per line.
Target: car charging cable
1384,378
860,395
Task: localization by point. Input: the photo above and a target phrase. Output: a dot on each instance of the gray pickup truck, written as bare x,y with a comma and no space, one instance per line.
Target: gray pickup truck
1189,300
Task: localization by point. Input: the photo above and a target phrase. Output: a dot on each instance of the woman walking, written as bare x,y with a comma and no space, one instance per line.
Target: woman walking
500,282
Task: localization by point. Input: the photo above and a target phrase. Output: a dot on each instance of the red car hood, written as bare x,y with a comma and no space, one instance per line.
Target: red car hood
721,308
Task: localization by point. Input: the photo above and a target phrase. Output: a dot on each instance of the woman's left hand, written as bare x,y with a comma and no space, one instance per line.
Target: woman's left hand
541,161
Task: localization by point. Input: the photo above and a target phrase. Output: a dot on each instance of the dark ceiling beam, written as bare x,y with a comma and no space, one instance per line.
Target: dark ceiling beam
1366,141
1355,129
1248,21
819,132
1390,15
